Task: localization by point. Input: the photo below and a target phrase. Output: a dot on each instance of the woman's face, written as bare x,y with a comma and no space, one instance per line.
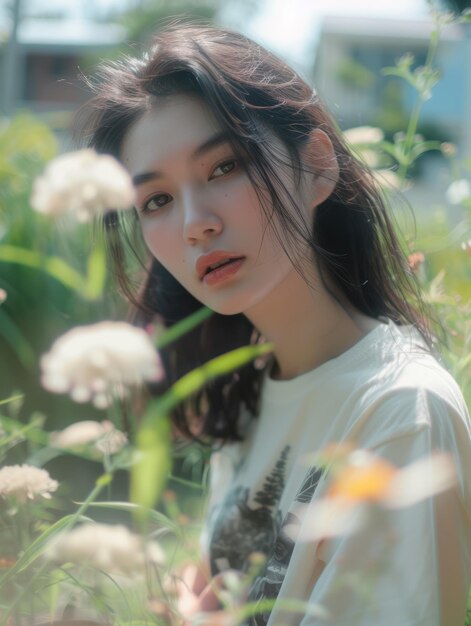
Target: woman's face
200,216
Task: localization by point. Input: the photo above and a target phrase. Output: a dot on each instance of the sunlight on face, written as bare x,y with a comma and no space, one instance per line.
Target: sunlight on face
197,207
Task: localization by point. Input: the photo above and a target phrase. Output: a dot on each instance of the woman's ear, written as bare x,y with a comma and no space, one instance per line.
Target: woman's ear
322,166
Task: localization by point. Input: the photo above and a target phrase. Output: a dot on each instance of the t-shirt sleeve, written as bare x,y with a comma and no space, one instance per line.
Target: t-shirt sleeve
409,566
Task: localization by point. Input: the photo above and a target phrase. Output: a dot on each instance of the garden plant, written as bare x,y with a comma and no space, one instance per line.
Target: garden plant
74,401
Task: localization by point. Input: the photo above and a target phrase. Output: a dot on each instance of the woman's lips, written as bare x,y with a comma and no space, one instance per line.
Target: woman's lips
224,272
210,261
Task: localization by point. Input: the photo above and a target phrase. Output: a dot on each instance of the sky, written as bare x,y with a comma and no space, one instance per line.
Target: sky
288,27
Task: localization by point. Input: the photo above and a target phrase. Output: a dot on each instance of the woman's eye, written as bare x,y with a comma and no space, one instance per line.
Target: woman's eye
224,168
156,202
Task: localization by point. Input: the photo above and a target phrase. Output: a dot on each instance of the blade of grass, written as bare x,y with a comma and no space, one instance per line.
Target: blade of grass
153,462
54,266
184,326
17,341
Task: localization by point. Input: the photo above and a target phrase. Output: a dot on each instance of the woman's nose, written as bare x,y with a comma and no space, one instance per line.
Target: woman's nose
200,220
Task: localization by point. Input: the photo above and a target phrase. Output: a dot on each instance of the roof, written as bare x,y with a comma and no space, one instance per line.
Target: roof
390,28
68,33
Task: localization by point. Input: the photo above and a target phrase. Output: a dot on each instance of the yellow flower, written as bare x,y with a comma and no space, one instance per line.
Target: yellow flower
362,482
364,478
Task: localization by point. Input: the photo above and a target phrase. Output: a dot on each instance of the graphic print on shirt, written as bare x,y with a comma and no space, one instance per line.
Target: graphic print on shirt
241,528
268,585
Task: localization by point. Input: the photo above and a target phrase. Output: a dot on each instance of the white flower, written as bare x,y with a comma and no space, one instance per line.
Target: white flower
111,442
3,296
363,135
83,183
369,157
26,482
458,191
110,548
363,483
107,439
387,179
94,362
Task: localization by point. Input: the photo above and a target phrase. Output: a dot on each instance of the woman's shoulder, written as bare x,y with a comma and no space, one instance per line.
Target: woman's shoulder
407,371
394,361
410,392
390,360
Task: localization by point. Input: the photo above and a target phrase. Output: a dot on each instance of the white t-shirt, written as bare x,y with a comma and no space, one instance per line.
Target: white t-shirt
386,394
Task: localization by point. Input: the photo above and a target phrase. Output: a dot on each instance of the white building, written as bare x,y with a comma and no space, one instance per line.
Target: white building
353,51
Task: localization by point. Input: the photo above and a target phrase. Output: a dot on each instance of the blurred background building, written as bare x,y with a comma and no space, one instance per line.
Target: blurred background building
50,54
44,50
342,48
348,72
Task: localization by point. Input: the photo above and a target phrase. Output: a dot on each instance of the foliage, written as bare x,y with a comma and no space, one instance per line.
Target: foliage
143,18
141,22
354,75
54,275
457,6
54,279
445,271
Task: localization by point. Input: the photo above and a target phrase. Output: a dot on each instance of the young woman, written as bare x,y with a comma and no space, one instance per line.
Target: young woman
249,202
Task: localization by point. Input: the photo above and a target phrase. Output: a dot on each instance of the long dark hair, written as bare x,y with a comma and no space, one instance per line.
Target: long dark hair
250,91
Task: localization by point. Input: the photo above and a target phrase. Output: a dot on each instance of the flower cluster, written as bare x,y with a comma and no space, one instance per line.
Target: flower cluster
26,482
113,549
83,184
95,362
106,438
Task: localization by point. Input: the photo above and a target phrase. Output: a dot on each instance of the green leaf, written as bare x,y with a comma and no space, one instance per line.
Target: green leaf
290,606
96,273
18,396
152,466
155,516
219,366
395,150
400,72
18,342
54,266
184,326
186,483
31,431
424,146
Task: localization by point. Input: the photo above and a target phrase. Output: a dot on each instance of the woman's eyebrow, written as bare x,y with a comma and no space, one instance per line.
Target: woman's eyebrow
206,146
209,144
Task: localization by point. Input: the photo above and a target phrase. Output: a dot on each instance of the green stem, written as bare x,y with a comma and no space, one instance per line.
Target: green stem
415,115
409,141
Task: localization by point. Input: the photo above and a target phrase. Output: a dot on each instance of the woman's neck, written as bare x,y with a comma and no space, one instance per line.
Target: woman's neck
307,325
